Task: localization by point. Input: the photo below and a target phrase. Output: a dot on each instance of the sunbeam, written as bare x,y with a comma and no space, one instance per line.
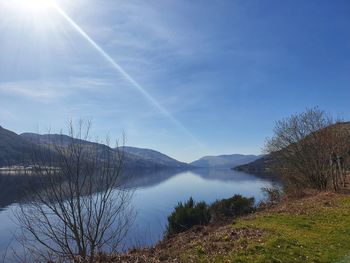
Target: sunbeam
117,67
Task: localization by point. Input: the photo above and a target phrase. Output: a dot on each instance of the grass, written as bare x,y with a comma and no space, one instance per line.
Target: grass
315,230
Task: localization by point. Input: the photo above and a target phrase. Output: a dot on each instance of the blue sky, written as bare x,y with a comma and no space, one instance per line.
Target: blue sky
213,76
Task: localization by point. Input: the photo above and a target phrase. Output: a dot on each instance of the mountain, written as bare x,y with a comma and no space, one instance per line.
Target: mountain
14,150
17,150
259,166
263,165
48,140
153,156
134,158
224,161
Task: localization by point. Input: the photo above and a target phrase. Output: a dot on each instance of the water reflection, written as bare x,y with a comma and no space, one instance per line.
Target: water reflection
156,194
11,189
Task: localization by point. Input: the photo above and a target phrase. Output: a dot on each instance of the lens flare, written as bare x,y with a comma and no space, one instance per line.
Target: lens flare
121,71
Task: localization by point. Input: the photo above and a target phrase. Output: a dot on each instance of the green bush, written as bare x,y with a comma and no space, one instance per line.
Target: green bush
232,207
187,215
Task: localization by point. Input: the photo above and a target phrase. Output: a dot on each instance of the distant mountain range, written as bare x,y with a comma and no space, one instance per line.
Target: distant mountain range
224,161
17,150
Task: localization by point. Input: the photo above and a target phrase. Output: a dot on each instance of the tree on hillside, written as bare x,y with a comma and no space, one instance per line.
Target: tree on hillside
80,208
310,150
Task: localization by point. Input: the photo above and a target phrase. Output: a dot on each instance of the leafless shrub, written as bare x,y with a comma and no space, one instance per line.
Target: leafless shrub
304,147
80,208
273,195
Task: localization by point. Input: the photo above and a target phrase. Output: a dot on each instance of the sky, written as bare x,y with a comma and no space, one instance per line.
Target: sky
187,78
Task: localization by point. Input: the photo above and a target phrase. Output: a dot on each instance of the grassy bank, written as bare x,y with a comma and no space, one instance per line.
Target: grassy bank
313,229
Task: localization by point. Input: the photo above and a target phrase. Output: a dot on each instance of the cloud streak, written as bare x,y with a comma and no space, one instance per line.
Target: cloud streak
37,90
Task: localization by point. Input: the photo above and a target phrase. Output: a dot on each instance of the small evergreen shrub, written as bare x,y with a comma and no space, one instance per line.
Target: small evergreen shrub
187,215
231,207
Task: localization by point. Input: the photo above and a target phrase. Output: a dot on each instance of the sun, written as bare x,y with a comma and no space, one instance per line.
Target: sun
34,6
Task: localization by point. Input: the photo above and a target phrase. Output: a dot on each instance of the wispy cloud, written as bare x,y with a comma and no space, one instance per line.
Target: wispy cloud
37,90
54,90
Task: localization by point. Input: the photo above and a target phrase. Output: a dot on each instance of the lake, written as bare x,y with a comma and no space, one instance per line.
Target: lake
156,194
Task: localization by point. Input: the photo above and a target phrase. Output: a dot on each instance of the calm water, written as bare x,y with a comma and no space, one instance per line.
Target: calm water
156,194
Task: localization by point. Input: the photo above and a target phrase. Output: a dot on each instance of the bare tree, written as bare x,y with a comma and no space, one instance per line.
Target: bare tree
80,208
303,146
340,154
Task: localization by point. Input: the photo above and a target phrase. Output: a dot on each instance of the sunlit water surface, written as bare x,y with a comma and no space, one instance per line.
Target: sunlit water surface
156,194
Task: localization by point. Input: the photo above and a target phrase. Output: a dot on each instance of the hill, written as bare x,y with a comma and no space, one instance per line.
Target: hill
313,229
224,161
17,150
264,164
135,158
153,156
259,166
14,150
